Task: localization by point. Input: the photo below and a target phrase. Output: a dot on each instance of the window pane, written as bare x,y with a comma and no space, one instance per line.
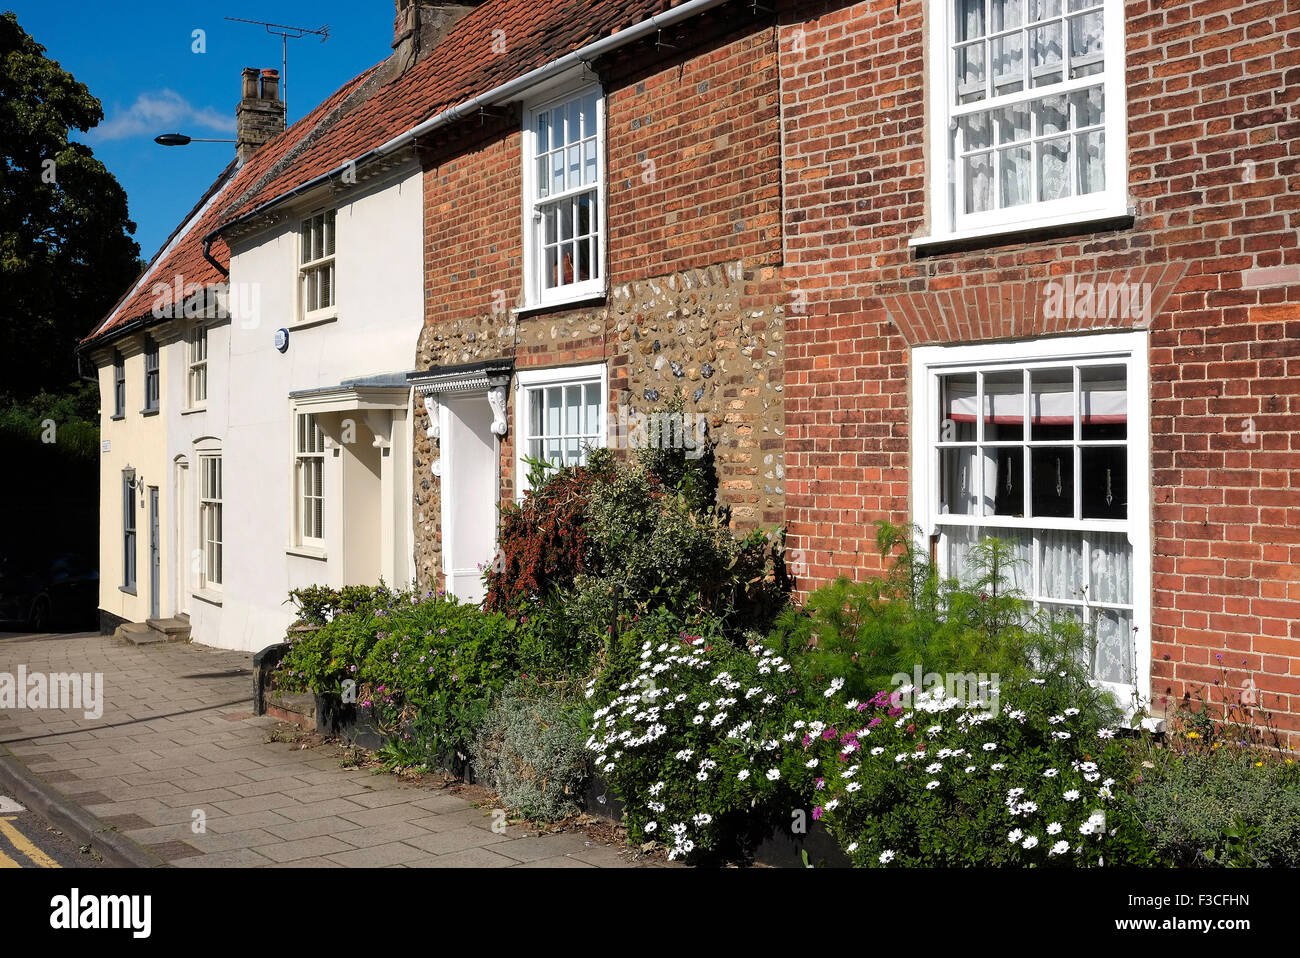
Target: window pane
957,408
329,233
1104,399
1017,574
1008,63
1042,9
589,162
1086,44
1052,476
970,73
534,415
1105,482
1016,185
592,417
1052,404
557,171
1061,570
552,274
1054,170
1110,568
589,115
1004,406
1004,481
979,183
957,481
565,218
543,132
575,166
1006,14
1113,656
1091,157
970,19
573,410
1045,54
554,415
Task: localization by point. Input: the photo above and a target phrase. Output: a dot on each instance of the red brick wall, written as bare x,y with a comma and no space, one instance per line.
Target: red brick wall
693,174
694,161
1214,171
802,151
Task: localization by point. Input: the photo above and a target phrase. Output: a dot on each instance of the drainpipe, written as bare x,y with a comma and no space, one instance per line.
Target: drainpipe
207,255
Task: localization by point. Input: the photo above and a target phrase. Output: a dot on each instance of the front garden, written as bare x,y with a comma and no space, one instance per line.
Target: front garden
632,648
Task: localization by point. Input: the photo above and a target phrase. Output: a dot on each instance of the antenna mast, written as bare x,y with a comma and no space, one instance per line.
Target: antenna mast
286,33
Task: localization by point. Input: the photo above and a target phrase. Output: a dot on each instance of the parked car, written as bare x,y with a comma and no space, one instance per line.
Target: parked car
41,594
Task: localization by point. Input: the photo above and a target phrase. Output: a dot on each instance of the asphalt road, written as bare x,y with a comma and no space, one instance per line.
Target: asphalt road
27,841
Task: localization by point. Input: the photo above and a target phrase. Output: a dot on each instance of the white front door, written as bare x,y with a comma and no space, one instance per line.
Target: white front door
470,493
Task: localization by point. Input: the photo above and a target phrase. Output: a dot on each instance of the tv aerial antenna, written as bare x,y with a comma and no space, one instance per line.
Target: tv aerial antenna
286,33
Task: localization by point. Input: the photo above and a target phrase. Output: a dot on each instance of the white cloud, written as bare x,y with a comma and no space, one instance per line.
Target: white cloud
163,112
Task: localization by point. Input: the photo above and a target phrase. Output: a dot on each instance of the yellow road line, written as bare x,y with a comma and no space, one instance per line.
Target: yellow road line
20,842
7,862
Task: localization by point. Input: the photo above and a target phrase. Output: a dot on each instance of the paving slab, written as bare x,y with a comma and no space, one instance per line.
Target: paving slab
168,744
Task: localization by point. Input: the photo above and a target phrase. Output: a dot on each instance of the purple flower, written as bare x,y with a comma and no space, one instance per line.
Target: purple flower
817,813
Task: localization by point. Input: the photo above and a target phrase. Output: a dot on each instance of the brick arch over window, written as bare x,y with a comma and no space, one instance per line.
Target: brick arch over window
1065,303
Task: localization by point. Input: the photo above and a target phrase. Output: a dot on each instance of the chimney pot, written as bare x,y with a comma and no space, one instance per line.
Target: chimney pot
271,85
259,118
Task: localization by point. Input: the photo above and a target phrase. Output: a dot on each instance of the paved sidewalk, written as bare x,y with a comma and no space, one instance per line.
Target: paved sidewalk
177,736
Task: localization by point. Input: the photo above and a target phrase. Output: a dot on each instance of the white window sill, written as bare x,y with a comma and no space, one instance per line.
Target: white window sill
1017,228
593,295
310,321
307,552
191,410
207,595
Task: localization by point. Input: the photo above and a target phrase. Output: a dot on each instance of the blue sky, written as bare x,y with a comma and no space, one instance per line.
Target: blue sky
137,58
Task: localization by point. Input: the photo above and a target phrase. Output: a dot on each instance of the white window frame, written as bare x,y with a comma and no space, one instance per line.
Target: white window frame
327,260
119,385
152,375
196,367
302,458
130,538
211,517
947,223
528,380
535,292
1129,349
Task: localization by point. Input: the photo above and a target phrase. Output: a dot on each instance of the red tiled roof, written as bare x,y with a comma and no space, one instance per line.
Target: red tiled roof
185,258
461,67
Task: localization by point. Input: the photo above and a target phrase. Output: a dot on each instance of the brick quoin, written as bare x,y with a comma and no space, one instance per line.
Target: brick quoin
788,152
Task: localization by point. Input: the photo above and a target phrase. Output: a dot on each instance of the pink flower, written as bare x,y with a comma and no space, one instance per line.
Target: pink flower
817,813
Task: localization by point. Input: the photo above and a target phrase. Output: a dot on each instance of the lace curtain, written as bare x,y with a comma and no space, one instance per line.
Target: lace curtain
1048,148
1102,574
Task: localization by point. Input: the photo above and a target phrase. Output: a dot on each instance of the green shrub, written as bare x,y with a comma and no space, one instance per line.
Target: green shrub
910,619
318,604
529,750
689,741
423,668
1229,806
643,532
924,779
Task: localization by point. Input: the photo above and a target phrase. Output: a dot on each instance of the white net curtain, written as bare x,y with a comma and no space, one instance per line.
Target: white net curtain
1033,143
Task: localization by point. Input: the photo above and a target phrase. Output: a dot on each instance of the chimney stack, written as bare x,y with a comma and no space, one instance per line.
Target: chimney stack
259,117
420,26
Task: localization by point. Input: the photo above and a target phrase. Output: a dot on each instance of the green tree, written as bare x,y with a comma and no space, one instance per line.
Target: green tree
66,253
